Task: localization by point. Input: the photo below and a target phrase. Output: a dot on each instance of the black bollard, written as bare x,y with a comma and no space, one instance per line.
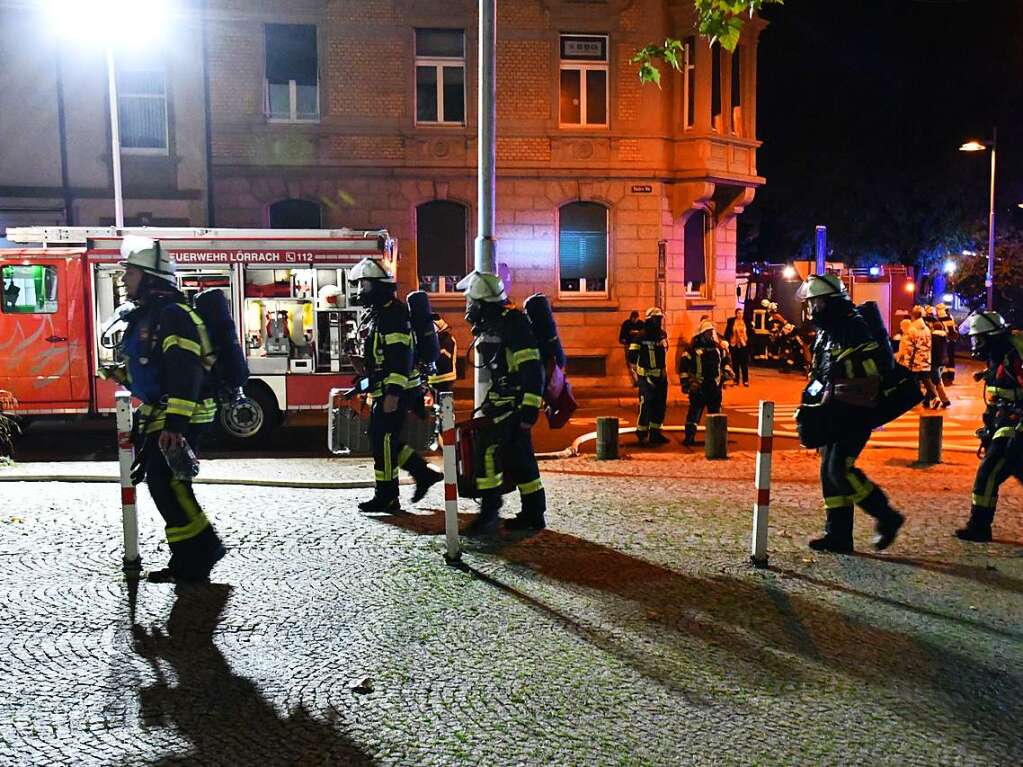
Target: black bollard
716,445
607,439
930,438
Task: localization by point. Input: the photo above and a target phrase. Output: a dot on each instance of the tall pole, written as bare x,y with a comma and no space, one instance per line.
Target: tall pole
989,280
821,249
486,244
115,140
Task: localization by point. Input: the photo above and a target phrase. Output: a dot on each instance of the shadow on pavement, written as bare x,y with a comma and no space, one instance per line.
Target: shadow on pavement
984,575
756,634
224,716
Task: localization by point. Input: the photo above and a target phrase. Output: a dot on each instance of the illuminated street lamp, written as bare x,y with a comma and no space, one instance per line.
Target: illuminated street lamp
989,280
112,23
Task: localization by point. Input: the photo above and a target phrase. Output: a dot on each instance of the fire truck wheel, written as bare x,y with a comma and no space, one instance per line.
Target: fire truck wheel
251,422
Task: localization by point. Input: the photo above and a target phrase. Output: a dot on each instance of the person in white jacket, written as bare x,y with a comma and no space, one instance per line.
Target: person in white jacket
918,355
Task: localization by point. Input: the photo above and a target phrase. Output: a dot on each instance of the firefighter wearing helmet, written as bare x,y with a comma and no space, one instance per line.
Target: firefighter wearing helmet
505,344
845,380
646,354
392,379
703,369
167,359
1002,435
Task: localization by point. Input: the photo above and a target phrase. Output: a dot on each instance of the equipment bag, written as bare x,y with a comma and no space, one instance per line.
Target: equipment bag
872,316
559,402
423,330
230,367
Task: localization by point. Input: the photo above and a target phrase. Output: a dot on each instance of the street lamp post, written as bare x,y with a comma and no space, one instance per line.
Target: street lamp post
115,139
989,279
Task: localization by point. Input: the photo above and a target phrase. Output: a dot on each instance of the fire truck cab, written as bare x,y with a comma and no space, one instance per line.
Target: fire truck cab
287,289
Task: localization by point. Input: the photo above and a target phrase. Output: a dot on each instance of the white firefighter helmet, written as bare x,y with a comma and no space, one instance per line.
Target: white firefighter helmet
983,323
146,254
654,311
483,286
370,269
821,285
704,326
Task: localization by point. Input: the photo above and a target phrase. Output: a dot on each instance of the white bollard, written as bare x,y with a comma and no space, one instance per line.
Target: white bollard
125,458
765,432
447,421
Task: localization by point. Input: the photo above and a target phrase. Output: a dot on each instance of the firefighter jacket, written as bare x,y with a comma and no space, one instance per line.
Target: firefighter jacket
647,353
1003,392
446,372
516,372
847,364
168,356
703,365
388,353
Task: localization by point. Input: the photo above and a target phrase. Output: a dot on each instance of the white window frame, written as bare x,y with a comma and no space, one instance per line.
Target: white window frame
583,292
442,289
121,94
293,104
688,83
582,67
438,63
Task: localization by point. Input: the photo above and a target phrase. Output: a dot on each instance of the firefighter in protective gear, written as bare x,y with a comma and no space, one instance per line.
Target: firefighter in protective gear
703,369
646,355
845,377
1002,436
167,355
388,359
505,344
444,377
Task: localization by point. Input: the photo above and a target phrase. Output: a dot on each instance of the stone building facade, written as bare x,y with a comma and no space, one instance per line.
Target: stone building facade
611,195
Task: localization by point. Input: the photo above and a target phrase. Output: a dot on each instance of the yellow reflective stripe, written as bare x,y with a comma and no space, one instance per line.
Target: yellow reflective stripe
1000,393
491,478
867,347
443,378
198,521
397,379
404,454
656,426
525,355
397,338
182,343
633,347
861,489
379,476
837,502
531,400
1005,431
653,372
870,367
990,497
528,488
204,338
849,372
176,406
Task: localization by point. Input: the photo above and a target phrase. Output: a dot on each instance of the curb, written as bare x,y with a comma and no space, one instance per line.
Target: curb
294,484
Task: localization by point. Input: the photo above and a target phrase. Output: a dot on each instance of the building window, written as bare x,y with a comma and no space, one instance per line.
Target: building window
142,110
695,258
440,77
442,245
737,90
295,214
584,81
29,289
689,83
582,248
292,92
715,87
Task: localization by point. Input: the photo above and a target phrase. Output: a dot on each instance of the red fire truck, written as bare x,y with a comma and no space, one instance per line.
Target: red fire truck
287,290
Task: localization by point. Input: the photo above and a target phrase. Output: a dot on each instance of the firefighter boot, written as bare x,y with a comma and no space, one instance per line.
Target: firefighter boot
690,439
656,438
888,519
641,437
837,536
485,523
978,529
425,478
384,500
531,517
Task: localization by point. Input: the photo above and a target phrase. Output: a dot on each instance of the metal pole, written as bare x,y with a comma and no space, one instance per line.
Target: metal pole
762,505
486,244
115,139
989,280
821,248
453,550
126,457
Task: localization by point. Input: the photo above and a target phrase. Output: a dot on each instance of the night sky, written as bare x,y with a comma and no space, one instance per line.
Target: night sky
862,105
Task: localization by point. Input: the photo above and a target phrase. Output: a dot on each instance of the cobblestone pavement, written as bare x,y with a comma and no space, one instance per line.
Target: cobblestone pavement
630,632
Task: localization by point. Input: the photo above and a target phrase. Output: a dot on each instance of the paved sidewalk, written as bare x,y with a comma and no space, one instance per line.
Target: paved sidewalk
631,632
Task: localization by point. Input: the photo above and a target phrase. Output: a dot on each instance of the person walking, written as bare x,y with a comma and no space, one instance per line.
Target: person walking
506,345
952,338
703,369
446,373
737,334
939,355
845,379
167,357
1002,435
647,354
918,355
388,360
628,333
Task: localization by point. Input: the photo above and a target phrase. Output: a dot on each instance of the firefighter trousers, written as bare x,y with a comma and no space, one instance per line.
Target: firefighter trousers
704,398
653,402
506,446
844,485
1003,459
389,452
194,544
